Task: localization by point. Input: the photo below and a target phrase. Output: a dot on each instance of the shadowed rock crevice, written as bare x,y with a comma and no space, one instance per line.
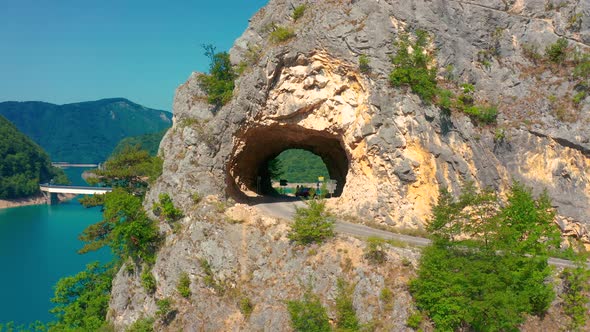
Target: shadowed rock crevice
247,170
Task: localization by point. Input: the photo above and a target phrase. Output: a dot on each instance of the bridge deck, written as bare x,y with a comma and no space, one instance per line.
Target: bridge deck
74,189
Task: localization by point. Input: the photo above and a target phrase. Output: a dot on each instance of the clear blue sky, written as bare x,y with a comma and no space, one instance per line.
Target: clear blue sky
64,51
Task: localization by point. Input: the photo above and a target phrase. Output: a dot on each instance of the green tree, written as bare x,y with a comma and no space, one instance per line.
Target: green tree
312,224
132,169
81,301
219,83
125,228
495,272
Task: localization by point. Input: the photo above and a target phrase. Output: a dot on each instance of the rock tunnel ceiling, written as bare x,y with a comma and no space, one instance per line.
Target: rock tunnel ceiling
262,144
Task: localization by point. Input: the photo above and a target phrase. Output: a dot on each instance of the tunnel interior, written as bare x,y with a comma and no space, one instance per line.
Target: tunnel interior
248,169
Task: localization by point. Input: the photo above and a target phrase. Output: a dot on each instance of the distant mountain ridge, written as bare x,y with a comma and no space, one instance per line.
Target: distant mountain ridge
86,131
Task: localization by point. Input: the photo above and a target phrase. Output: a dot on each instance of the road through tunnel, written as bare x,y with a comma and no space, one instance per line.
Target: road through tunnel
247,170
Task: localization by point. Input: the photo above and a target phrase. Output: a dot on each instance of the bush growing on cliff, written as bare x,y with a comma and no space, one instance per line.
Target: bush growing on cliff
489,280
184,285
414,68
148,281
312,224
166,210
281,34
374,252
219,83
346,319
557,52
298,12
308,314
145,324
364,66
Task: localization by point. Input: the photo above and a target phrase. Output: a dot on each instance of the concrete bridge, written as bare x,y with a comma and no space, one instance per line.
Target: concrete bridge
63,164
50,191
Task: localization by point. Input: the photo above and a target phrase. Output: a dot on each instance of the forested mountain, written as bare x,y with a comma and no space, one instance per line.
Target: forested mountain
23,164
149,142
298,165
83,132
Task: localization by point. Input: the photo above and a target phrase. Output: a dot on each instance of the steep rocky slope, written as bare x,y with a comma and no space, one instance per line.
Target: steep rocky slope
389,152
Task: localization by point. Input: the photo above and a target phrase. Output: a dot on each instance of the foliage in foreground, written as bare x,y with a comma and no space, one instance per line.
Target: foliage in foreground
311,224
488,281
81,301
219,83
308,314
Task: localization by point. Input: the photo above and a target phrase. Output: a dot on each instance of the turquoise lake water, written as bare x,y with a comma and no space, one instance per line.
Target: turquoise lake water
38,246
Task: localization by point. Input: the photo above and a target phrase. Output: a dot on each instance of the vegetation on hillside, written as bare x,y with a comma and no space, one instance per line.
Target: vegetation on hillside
219,82
149,142
298,166
308,314
23,164
414,66
83,132
487,266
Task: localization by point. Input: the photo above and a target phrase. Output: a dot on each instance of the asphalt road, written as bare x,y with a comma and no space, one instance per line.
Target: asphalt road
286,210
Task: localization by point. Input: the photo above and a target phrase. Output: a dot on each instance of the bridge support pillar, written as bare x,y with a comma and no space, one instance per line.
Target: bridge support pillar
53,199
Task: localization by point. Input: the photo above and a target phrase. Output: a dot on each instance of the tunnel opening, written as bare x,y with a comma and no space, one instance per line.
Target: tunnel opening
250,168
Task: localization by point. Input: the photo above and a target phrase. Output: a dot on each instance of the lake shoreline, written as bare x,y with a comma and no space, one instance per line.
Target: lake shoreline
38,199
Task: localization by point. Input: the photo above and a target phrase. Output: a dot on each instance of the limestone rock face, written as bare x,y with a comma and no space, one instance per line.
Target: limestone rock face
389,152
250,257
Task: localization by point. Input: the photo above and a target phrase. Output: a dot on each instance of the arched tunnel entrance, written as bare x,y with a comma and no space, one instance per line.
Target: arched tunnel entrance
248,168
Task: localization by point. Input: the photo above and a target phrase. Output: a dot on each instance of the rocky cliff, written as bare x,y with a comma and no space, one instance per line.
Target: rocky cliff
389,151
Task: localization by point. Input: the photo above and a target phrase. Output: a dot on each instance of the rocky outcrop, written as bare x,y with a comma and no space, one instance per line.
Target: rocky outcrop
389,152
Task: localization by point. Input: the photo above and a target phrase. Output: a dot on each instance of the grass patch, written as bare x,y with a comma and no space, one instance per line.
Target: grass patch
184,285
298,12
281,34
